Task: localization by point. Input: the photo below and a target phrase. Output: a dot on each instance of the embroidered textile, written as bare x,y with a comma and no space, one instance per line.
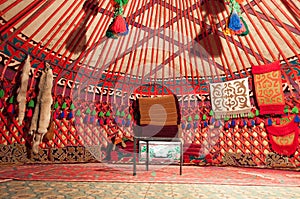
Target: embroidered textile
230,98
158,111
284,138
157,117
268,88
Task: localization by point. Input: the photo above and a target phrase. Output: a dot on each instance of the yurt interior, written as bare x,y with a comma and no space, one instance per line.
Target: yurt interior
149,99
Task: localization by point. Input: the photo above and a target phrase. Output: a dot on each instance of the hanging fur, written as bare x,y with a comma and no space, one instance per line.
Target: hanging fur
46,102
42,113
21,98
34,121
35,117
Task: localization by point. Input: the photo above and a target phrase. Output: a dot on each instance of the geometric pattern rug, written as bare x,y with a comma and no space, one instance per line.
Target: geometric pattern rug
102,172
15,189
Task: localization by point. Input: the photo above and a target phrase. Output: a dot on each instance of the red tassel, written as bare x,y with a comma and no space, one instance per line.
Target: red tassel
227,125
1,104
55,114
113,3
278,121
118,25
249,123
29,113
258,120
10,108
101,121
241,123
208,158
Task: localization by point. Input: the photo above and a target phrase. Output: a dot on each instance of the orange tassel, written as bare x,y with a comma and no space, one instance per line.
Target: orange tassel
240,1
50,133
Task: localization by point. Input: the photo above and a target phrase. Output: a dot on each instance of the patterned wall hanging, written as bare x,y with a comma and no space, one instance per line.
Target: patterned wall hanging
230,98
268,88
284,138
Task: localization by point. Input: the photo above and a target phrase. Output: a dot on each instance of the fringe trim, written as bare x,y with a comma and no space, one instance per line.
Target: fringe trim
233,114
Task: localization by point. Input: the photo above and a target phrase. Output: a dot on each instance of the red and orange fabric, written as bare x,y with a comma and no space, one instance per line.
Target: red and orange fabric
268,88
284,138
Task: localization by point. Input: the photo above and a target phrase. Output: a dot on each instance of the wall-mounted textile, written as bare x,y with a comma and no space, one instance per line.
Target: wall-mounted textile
284,138
230,98
268,88
160,111
157,117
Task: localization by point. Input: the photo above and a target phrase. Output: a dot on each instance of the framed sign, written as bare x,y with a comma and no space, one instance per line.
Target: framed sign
160,152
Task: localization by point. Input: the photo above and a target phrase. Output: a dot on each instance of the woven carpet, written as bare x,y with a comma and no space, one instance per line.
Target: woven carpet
100,172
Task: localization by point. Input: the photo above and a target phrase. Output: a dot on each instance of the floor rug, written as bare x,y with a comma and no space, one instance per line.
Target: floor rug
100,172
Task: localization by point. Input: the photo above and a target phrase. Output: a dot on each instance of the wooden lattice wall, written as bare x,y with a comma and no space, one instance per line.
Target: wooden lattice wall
238,141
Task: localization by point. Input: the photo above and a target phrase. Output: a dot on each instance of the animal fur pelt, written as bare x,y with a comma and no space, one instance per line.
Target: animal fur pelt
46,102
42,113
35,117
21,98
